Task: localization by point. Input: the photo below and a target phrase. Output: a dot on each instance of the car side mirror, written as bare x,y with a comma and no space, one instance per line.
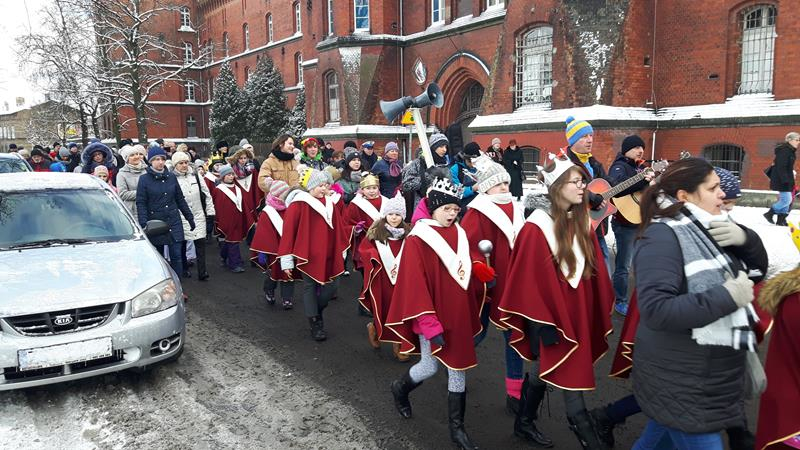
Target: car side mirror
156,228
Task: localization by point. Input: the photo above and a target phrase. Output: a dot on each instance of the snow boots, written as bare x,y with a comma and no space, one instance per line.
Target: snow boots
525,423
604,425
584,429
782,220
317,328
456,404
768,215
400,390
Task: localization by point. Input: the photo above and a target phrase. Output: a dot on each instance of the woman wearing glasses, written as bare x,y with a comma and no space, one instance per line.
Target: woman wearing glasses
562,321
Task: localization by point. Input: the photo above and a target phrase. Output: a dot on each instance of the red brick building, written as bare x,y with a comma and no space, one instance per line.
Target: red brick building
714,77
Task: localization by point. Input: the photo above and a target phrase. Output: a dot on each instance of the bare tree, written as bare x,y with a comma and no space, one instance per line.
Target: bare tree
50,121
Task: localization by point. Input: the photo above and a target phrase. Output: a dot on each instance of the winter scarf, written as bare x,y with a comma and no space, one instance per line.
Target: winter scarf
394,166
243,171
282,156
396,233
138,168
705,266
500,199
275,202
439,160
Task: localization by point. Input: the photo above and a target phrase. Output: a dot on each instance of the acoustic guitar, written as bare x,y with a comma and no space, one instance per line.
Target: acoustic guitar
628,205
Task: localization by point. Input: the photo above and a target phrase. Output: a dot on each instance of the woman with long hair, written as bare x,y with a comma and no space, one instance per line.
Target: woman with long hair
280,164
562,320
692,263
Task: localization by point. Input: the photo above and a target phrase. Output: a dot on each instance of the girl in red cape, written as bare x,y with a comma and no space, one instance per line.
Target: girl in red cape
232,218
316,245
779,413
361,213
243,163
494,217
381,254
436,305
562,320
266,241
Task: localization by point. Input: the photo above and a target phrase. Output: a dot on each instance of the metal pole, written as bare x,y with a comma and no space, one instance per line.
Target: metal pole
423,138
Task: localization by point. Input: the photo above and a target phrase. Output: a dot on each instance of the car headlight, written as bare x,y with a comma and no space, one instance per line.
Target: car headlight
158,298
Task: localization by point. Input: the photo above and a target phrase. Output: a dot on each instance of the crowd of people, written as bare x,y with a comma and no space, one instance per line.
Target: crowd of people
446,253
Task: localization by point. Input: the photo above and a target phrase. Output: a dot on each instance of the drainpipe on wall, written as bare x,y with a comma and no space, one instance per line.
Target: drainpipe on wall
653,80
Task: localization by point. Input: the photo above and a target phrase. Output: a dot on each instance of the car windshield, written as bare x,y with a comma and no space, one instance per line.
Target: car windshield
10,165
61,217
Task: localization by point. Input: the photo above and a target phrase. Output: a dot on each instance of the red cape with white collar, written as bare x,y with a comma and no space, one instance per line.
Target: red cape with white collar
376,295
232,223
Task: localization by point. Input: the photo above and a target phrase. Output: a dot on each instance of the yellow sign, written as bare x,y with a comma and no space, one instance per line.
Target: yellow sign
408,118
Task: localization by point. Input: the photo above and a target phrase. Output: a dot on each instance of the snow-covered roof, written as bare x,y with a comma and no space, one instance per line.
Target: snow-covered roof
360,130
27,181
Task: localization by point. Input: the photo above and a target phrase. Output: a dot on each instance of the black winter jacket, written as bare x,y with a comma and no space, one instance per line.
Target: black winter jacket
678,383
159,197
621,170
512,161
781,177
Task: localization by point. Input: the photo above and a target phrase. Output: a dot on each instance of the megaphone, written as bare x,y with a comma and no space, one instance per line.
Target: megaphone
431,97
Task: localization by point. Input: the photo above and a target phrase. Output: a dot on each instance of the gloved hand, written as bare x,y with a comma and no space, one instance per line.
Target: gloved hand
484,273
262,259
438,340
727,234
191,226
360,226
740,288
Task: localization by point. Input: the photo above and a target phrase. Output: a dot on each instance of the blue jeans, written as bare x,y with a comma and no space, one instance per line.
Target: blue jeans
783,204
176,257
514,363
622,263
660,437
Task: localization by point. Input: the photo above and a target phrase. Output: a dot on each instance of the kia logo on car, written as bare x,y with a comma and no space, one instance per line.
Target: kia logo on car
63,320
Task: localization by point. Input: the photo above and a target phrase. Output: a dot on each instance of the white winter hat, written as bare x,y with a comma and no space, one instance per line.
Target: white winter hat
129,150
489,173
179,156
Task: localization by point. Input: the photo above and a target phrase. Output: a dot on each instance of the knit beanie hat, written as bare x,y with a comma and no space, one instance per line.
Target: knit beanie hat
350,152
100,169
489,174
71,145
631,142
179,156
221,144
443,192
496,141
224,170
58,167
128,151
395,205
438,139
391,145
243,142
153,152
577,129
182,148
472,150
311,178
63,152
37,152
728,183
277,188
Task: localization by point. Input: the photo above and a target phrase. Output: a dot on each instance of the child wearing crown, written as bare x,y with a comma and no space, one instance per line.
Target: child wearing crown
562,320
361,212
436,305
380,252
315,246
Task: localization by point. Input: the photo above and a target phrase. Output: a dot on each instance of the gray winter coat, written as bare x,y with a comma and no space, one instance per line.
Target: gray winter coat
677,382
191,192
127,180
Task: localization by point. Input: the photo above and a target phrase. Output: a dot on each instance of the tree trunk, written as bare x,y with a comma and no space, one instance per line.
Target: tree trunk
84,125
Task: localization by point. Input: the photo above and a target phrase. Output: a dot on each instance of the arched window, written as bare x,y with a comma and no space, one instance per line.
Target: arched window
727,156
332,92
269,28
298,26
758,49
189,91
246,73
437,12
330,17
185,18
191,126
361,16
246,36
534,73
188,53
298,58
225,44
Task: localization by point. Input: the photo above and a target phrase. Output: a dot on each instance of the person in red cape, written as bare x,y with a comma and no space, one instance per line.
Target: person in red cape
562,320
232,218
436,305
243,163
779,414
316,245
266,241
494,217
381,255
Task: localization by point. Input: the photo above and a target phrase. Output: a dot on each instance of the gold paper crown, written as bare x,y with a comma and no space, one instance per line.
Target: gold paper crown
562,165
369,180
794,231
305,175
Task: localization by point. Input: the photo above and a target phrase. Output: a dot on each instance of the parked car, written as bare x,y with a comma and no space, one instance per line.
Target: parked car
83,291
12,162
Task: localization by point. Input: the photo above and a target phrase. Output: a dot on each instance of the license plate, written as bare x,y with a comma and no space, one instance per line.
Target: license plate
57,355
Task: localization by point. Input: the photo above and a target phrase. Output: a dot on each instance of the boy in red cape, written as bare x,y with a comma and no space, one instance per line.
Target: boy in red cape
266,241
232,218
779,410
493,216
381,252
436,305
315,246
562,319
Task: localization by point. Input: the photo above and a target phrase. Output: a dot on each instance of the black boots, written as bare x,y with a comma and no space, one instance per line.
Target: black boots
782,220
525,423
768,215
317,328
603,425
583,427
456,404
400,390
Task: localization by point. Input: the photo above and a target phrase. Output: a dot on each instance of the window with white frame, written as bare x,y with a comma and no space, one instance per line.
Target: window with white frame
332,90
246,36
758,49
437,12
330,17
190,91
225,44
185,18
361,15
299,60
191,126
534,67
269,28
491,4
298,26
188,53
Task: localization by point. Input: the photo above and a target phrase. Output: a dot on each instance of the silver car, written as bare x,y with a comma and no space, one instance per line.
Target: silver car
82,291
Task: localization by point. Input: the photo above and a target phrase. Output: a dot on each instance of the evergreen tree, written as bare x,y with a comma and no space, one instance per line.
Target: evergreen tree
266,103
228,112
297,120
